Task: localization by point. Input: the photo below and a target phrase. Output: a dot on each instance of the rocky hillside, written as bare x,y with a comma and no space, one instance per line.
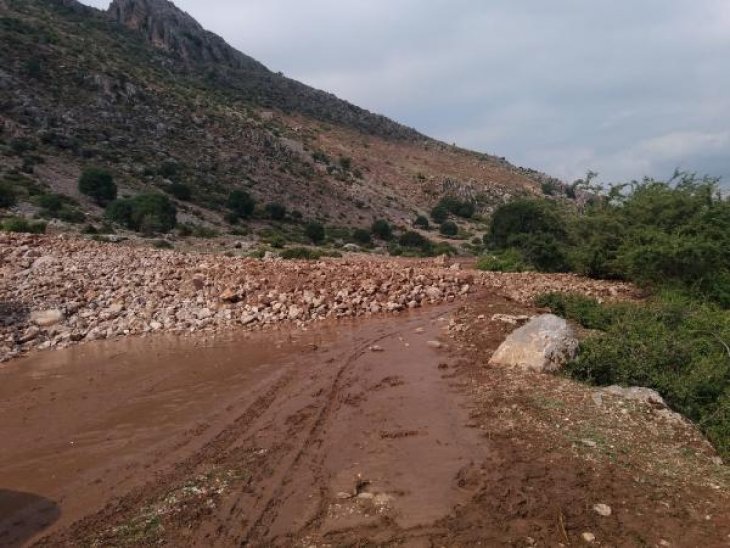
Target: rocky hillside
144,91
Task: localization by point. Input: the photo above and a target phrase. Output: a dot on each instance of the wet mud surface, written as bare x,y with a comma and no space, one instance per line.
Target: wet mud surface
360,433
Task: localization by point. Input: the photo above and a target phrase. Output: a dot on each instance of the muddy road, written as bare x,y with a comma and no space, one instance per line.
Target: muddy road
355,433
257,439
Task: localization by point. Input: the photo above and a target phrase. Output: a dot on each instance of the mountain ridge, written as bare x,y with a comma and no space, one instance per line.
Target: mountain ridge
144,91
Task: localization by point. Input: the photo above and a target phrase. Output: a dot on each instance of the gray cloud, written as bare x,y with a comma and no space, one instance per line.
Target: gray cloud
624,88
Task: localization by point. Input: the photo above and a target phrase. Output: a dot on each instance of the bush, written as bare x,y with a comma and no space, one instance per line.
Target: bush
362,236
536,228
7,195
672,344
19,224
414,240
181,191
149,213
421,222
439,214
98,184
509,260
451,204
301,253
275,211
241,204
381,229
315,232
449,228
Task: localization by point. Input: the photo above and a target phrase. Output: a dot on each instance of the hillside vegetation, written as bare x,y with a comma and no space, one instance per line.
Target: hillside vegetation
671,238
144,93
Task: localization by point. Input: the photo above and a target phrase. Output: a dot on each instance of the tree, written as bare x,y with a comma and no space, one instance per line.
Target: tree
449,228
98,184
382,229
241,204
181,191
149,213
421,222
362,236
275,211
315,232
7,195
439,213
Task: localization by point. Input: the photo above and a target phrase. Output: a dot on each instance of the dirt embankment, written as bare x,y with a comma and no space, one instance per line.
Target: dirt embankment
58,291
385,431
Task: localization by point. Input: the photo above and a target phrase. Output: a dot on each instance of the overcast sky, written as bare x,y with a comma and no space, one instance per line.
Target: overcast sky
624,87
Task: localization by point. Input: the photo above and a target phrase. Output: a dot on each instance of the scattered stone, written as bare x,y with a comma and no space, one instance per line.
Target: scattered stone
602,510
510,319
29,334
590,538
47,318
95,290
638,393
542,345
230,295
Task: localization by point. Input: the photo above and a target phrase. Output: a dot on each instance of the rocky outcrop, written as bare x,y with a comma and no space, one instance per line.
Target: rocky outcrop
543,345
169,28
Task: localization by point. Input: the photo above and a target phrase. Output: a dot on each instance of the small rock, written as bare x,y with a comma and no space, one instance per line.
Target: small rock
602,510
376,348
590,538
589,443
434,344
47,318
31,333
230,295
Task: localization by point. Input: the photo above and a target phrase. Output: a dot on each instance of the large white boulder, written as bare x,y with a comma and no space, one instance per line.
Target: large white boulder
544,345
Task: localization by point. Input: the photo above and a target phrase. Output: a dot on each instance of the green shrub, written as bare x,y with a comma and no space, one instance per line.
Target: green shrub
98,184
150,213
421,222
8,196
275,211
451,204
381,229
415,240
181,191
241,204
362,236
315,232
672,344
449,228
303,253
439,214
19,224
509,260
536,228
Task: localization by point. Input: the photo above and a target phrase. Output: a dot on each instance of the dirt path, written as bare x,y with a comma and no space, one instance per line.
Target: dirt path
358,433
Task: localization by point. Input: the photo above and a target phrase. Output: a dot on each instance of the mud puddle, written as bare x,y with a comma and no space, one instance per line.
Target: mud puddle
302,433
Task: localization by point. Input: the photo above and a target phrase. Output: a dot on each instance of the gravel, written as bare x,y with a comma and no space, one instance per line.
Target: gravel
61,290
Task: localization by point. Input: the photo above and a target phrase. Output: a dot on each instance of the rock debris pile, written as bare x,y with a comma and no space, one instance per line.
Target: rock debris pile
59,290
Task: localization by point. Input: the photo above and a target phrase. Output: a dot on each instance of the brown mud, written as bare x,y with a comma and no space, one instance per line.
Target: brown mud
359,433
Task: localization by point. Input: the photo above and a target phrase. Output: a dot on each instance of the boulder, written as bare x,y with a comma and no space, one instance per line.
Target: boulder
543,345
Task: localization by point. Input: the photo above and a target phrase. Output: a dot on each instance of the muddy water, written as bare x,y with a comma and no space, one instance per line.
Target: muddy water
351,436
